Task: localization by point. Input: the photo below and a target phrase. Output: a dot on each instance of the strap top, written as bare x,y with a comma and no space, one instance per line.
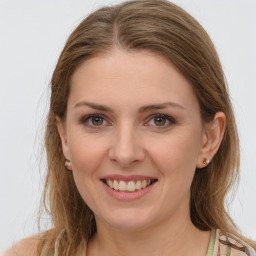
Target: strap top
211,244
226,245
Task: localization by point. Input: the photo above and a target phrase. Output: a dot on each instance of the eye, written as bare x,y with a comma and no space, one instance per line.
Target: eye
161,120
94,120
158,120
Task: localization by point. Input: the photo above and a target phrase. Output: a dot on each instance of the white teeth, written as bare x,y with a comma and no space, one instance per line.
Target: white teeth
122,186
138,185
110,183
131,186
115,185
144,183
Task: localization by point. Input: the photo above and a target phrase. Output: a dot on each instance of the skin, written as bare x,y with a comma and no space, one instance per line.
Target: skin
127,142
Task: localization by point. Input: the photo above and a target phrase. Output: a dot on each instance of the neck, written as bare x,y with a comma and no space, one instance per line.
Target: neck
163,239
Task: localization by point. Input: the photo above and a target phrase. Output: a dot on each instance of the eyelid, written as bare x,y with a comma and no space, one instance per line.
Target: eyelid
85,119
167,117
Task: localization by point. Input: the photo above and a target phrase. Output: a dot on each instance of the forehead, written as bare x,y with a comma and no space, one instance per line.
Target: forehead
130,78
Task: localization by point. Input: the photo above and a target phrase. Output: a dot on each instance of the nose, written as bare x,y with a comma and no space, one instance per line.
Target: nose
126,147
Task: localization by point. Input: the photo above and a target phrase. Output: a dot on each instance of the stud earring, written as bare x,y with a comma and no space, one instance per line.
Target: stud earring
68,164
206,161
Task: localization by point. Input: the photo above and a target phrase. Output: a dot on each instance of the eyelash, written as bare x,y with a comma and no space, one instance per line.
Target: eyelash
85,119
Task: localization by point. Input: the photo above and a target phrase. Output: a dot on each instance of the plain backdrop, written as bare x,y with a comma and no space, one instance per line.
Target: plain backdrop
32,34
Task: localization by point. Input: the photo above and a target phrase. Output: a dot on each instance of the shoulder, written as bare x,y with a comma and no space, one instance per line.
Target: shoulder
228,244
25,247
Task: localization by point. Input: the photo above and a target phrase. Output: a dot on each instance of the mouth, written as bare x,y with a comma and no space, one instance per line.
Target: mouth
128,186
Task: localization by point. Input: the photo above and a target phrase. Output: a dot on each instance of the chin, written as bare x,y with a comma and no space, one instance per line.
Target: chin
128,220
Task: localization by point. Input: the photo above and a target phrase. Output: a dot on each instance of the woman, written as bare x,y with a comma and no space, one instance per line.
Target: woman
141,140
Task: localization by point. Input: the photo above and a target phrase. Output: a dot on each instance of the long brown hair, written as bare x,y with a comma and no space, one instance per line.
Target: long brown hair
164,28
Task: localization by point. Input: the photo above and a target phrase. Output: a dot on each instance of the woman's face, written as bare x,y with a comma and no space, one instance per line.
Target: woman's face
134,136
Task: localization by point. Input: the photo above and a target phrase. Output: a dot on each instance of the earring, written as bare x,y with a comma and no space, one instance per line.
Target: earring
206,161
68,164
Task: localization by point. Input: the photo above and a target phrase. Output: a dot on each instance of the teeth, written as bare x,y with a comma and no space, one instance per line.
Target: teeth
144,183
122,186
110,183
115,185
138,185
131,186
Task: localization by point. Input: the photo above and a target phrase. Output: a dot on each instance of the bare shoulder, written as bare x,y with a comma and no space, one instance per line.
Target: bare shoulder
25,247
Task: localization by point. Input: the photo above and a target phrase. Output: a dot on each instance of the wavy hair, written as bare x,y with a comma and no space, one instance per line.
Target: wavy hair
163,28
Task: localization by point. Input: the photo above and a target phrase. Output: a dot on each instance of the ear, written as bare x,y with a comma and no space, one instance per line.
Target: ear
213,135
62,133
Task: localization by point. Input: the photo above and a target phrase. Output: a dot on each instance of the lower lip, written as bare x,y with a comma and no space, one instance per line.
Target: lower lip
127,196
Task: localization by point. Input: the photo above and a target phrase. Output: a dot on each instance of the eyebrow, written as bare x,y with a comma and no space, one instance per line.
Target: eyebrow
141,109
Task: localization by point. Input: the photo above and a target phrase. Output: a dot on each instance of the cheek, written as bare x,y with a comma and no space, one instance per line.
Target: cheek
177,154
86,153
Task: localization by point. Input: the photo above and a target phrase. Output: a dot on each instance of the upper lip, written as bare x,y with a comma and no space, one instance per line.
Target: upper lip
127,178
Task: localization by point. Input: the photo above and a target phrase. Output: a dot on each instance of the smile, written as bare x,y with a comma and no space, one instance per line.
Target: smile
128,186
